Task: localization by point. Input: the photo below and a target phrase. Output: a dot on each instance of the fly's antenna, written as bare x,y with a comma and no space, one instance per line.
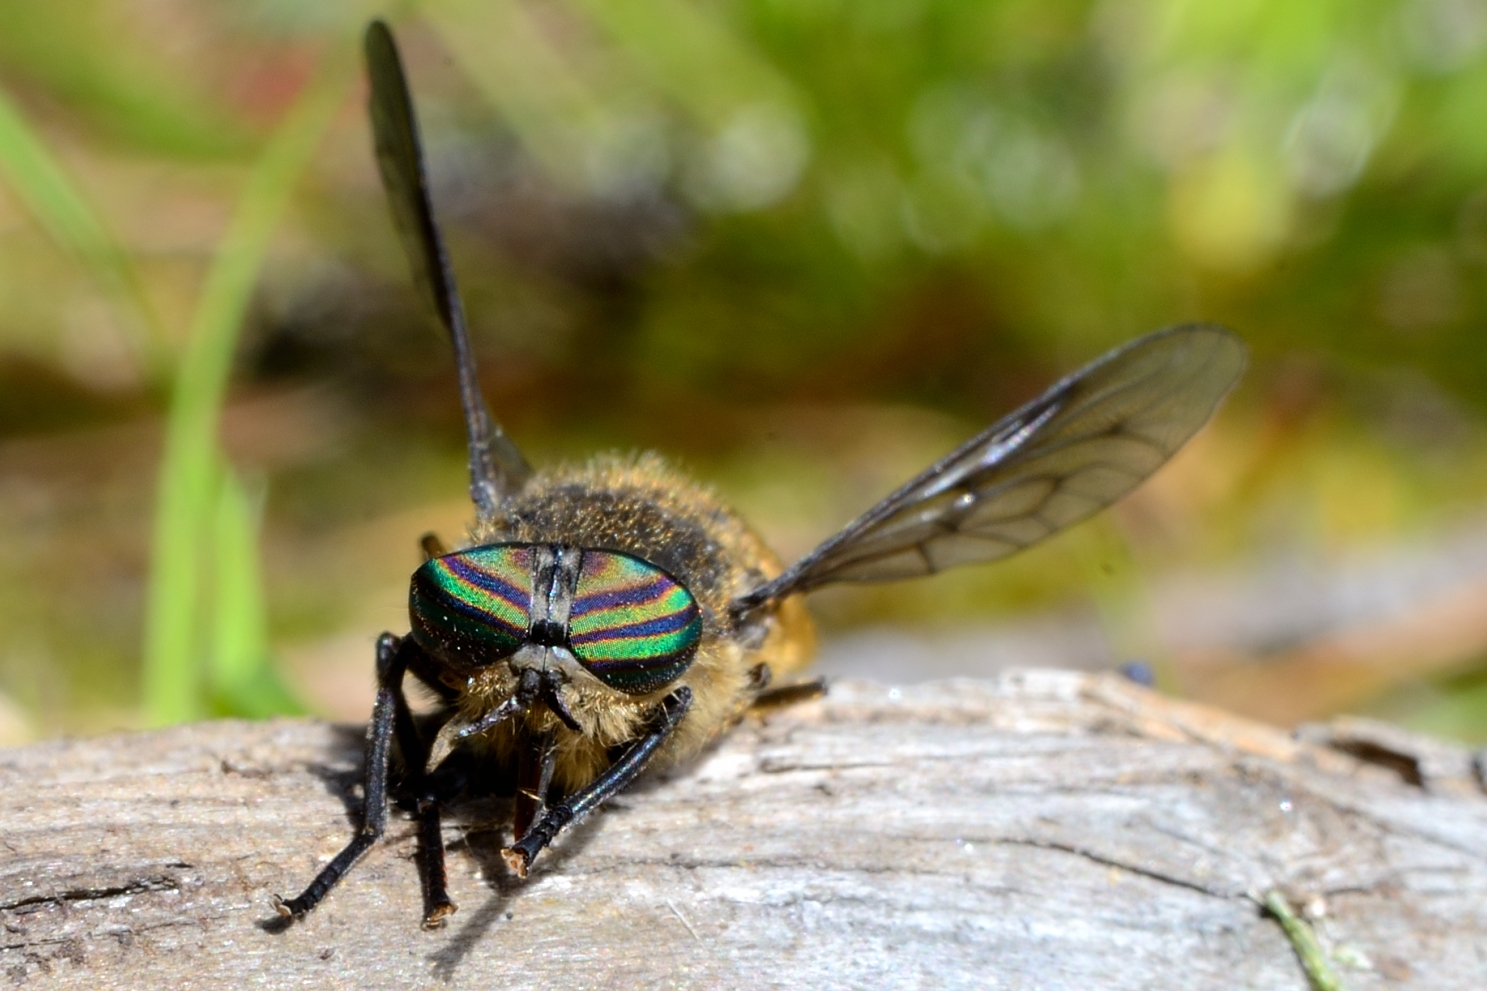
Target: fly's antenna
497,468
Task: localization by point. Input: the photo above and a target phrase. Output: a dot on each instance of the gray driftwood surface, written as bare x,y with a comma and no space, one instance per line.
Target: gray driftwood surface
1048,830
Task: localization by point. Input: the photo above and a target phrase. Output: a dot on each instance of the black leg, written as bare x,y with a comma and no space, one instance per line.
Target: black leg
390,701
619,774
437,905
456,732
533,777
805,691
432,875
411,745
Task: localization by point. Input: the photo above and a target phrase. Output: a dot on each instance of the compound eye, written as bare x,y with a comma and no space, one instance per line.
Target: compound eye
474,602
632,625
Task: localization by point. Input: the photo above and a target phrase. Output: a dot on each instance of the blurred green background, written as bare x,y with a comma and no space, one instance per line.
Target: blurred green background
801,246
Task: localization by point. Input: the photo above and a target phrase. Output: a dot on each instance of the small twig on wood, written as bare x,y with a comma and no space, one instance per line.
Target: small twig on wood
1313,958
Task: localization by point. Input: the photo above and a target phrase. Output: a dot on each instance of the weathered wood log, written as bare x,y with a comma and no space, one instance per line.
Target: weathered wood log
1047,830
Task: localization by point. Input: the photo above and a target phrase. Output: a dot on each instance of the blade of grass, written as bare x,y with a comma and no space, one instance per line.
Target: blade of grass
42,184
172,688
239,635
243,680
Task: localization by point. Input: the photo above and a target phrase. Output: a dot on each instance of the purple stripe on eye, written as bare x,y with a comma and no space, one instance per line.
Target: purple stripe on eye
678,620
476,611
635,595
488,582
437,610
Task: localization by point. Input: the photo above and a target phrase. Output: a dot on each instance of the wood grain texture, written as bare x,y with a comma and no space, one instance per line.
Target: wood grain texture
1046,830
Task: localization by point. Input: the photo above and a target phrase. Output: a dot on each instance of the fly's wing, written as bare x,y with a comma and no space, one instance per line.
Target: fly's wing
1072,451
496,466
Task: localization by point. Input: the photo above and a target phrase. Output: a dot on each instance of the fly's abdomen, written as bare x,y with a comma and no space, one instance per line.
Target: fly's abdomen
632,625
476,601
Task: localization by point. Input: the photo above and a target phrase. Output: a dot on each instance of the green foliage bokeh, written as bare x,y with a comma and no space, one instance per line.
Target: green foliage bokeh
673,217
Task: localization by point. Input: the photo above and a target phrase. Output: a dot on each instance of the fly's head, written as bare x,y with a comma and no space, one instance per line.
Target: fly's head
576,631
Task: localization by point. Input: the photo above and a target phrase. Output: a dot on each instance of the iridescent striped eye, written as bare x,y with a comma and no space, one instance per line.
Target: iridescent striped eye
632,625
474,602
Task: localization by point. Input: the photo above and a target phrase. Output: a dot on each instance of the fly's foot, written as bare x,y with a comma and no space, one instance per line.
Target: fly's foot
517,860
439,915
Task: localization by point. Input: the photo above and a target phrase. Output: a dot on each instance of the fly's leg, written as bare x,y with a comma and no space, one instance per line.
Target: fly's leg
533,778
766,697
435,790
782,695
391,703
558,817
391,718
432,875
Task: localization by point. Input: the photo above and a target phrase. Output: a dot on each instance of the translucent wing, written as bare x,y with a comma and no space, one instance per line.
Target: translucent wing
1072,451
496,466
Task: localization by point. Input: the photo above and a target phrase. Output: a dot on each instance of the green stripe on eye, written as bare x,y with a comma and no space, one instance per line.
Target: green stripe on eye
478,599
632,625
